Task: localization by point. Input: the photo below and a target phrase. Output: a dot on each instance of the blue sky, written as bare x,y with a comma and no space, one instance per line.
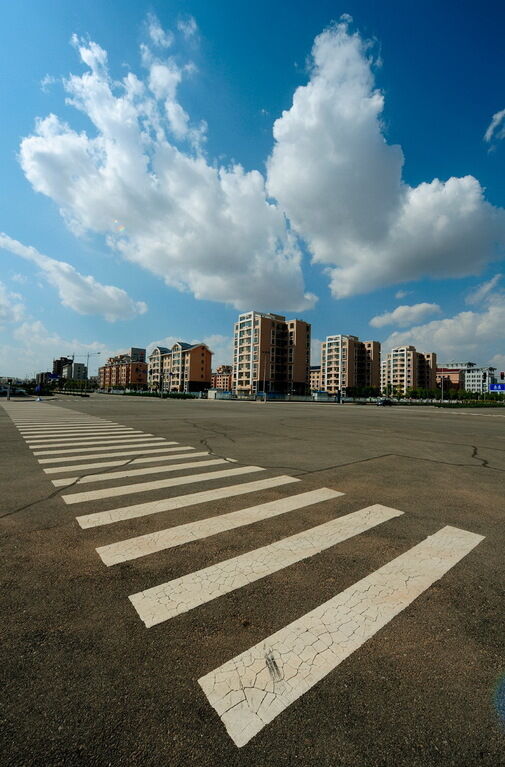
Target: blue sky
168,164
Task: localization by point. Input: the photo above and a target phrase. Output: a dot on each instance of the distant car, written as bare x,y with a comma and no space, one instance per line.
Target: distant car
384,402
19,392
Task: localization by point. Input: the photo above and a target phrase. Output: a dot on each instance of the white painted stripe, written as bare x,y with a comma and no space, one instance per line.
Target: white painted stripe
44,423
111,475
125,462
142,545
169,599
55,424
68,425
53,439
250,690
94,441
143,443
138,451
182,501
158,484
49,433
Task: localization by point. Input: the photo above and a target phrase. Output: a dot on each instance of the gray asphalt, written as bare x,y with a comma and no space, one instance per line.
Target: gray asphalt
85,683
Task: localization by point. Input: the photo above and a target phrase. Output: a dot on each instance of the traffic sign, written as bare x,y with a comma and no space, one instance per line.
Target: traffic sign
497,387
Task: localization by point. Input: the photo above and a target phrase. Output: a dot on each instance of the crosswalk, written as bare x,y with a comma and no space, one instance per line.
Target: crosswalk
250,690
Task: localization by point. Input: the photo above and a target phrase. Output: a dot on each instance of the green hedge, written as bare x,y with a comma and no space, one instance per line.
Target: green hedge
477,403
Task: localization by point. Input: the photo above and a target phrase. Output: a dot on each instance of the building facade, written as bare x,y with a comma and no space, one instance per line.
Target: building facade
75,371
405,368
125,371
183,368
59,364
222,378
271,354
477,380
347,362
315,377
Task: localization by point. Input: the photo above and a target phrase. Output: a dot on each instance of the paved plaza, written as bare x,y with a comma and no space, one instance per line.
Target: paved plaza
243,583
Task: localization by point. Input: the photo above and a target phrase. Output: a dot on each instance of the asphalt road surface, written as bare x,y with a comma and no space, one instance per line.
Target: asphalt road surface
238,583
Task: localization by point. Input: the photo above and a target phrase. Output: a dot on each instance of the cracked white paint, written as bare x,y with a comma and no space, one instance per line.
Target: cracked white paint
253,688
142,545
158,484
182,594
142,443
102,464
111,475
86,442
169,504
139,451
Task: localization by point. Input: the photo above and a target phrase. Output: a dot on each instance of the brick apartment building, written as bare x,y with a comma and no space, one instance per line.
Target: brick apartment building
270,354
405,368
126,371
347,362
183,368
222,378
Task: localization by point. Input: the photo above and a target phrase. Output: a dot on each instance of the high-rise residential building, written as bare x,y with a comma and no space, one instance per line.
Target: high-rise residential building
75,371
127,371
270,354
59,364
405,368
315,377
347,362
222,378
183,368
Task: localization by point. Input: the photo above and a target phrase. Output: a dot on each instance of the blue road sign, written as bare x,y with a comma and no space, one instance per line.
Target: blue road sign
497,387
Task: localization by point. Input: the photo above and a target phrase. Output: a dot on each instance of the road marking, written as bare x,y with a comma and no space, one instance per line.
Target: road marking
68,425
169,504
158,484
167,600
142,545
111,475
250,690
139,451
104,464
95,441
143,443
66,439
62,433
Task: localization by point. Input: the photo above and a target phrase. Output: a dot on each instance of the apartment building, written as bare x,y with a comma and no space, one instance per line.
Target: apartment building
271,354
477,380
183,368
452,374
75,371
127,371
405,368
59,364
347,362
222,378
315,377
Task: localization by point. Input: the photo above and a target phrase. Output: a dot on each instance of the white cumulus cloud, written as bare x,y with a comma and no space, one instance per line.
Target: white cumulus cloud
79,292
140,179
403,316
474,335
34,347
341,184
